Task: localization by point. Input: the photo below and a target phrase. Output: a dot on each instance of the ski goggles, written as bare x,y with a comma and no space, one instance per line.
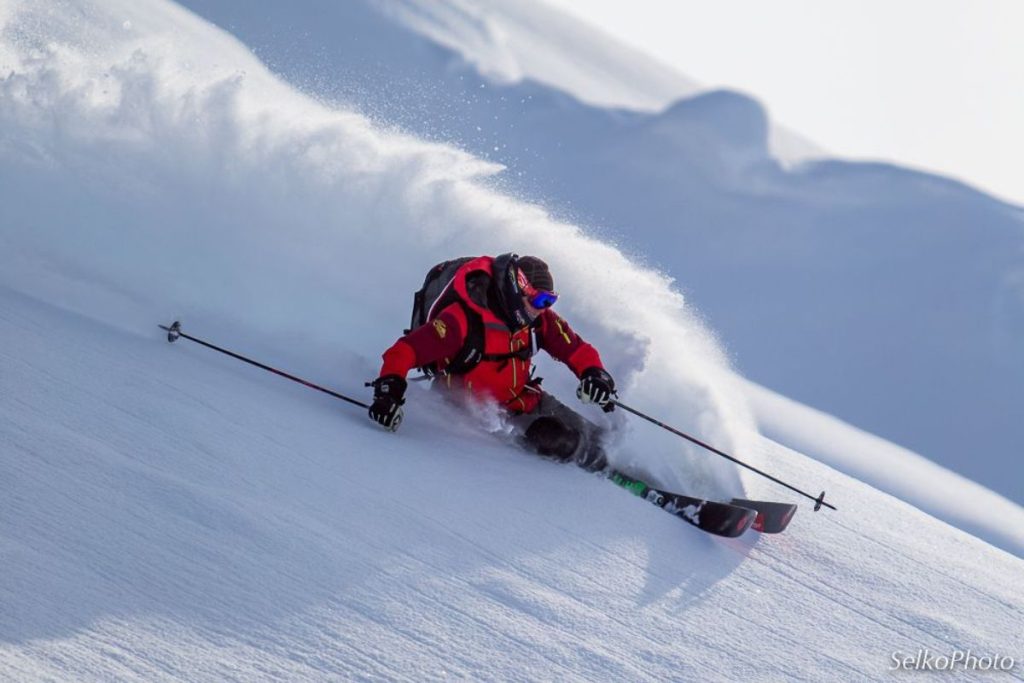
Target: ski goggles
538,298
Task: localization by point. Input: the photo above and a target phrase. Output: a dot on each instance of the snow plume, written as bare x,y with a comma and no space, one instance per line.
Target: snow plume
153,168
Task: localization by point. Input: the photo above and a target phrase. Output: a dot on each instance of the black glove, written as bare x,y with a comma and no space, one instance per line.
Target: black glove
388,393
597,386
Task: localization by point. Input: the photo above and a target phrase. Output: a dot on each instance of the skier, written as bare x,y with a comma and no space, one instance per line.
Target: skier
479,336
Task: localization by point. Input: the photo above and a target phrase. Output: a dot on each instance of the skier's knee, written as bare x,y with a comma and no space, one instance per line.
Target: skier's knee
550,436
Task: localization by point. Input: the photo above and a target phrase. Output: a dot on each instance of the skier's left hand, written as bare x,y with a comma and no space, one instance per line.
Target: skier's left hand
597,386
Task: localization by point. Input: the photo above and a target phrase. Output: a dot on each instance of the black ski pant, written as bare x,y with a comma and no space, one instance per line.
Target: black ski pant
554,429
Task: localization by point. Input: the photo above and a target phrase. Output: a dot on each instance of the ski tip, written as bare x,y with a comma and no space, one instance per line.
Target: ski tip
746,522
772,517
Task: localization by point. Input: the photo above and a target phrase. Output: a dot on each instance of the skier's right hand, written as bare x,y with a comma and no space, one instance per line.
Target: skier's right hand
388,397
597,386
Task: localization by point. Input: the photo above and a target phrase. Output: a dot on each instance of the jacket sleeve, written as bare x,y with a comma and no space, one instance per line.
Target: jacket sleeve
561,341
438,339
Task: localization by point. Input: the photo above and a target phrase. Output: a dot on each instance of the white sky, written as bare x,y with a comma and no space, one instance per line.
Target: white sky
933,84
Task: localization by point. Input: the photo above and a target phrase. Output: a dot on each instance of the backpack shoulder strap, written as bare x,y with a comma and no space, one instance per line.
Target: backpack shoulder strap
472,351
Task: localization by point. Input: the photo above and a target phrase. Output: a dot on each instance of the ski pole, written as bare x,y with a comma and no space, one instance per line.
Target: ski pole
818,502
174,331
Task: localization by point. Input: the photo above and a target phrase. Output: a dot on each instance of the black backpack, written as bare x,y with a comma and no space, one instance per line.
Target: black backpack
434,296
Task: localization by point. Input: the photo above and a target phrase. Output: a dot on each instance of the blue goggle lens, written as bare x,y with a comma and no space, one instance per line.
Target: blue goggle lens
543,299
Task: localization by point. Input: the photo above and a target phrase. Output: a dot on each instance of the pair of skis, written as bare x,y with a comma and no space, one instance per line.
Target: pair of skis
721,519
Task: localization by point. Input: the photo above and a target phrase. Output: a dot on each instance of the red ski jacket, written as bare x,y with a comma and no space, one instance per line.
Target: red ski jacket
505,381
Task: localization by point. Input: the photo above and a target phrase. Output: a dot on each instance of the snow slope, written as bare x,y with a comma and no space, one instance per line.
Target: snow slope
901,473
171,514
167,513
887,297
